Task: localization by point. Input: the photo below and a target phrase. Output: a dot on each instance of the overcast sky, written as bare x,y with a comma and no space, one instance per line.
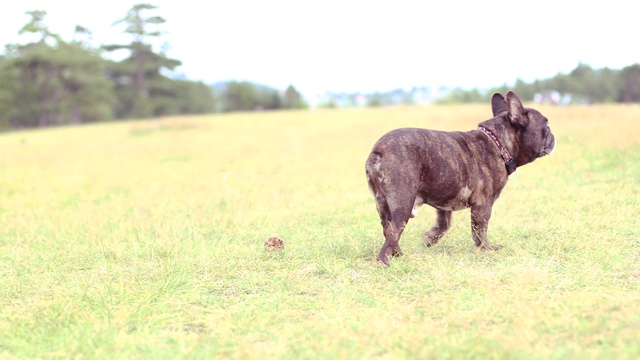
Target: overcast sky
366,46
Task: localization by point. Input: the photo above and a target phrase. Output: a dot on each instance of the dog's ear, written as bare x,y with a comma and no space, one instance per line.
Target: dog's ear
498,104
516,110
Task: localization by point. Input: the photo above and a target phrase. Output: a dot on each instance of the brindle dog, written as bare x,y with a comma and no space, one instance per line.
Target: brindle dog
453,170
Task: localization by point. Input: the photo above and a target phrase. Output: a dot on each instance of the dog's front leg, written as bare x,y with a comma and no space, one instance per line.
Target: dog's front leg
480,215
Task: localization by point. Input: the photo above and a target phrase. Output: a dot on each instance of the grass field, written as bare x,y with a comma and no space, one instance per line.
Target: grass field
145,240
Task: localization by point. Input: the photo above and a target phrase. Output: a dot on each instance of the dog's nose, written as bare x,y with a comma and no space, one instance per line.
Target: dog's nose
555,143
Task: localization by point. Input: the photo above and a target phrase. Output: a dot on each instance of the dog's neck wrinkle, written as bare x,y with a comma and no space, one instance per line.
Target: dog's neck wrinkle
506,133
507,137
520,155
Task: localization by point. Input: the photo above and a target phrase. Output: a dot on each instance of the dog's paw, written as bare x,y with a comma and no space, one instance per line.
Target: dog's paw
429,238
397,252
383,262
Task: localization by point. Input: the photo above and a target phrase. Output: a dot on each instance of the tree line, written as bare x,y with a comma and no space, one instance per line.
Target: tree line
51,81
583,85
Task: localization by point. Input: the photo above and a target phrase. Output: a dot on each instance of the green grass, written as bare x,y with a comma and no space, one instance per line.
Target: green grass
145,240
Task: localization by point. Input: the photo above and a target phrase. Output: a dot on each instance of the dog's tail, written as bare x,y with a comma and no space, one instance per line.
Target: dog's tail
374,175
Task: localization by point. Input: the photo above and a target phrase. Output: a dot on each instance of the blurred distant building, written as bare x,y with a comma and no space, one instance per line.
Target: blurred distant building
547,97
552,97
415,95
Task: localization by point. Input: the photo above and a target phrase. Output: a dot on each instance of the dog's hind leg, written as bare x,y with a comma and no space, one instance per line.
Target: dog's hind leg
443,221
390,229
394,207
385,219
392,232
393,229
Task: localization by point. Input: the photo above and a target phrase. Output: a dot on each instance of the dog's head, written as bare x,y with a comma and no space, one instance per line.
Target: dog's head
532,130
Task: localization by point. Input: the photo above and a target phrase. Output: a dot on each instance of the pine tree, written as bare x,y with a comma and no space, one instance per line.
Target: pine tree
135,74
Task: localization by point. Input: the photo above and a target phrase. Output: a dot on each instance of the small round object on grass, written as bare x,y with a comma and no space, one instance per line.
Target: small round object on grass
273,243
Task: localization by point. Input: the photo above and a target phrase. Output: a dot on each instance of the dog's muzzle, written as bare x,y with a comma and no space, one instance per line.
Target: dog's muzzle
550,145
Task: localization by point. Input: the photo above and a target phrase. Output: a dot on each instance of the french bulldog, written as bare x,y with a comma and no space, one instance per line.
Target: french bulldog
451,171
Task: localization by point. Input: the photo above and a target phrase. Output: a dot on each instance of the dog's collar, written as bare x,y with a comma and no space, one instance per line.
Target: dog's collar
508,160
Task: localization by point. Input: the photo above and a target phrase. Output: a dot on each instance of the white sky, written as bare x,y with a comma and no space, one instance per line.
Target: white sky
343,45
